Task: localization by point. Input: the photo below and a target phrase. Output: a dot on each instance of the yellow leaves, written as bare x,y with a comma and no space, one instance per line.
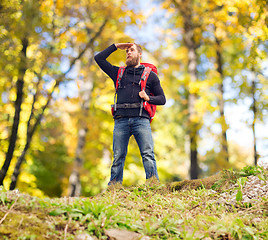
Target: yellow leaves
171,10
12,95
46,4
263,80
232,9
181,52
27,178
60,4
27,181
81,37
3,132
259,29
194,119
196,87
104,102
202,106
3,31
220,33
166,4
46,7
258,32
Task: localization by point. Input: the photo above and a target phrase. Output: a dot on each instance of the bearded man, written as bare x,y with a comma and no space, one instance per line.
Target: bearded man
128,118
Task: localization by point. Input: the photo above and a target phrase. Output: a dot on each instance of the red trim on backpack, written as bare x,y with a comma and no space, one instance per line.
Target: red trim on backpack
150,108
118,79
119,76
153,67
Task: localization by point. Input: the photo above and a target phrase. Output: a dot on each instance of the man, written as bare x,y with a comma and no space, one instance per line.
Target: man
129,121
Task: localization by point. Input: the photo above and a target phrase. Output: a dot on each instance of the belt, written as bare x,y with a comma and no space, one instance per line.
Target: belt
127,105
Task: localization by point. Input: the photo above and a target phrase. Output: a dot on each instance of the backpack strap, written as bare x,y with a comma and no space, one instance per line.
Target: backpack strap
119,77
144,77
120,73
143,81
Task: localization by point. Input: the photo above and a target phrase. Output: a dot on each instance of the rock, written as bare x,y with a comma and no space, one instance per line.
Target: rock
119,234
263,163
256,220
145,238
83,236
254,189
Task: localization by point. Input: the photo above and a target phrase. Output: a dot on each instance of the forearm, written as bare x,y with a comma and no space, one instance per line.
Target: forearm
158,100
158,95
101,57
108,68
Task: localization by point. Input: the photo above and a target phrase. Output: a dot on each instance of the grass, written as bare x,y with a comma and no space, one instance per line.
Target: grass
181,210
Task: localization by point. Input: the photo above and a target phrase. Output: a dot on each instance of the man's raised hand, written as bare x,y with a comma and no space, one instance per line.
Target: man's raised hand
123,45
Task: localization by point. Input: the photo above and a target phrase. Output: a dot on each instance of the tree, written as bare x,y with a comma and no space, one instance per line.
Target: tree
215,22
31,128
89,80
189,39
247,68
50,51
60,35
85,94
22,67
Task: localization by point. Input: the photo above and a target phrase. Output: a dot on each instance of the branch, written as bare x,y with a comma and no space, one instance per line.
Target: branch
87,46
3,219
34,101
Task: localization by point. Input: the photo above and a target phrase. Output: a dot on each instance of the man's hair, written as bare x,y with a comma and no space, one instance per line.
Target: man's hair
139,48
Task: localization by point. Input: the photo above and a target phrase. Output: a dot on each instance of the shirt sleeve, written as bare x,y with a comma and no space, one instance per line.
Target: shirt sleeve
158,97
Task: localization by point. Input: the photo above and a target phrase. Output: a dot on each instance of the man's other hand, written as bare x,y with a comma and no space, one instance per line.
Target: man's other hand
144,95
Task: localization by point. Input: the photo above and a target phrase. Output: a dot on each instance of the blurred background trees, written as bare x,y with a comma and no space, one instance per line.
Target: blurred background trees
56,127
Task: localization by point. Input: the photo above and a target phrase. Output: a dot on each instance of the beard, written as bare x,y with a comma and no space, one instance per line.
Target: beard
132,62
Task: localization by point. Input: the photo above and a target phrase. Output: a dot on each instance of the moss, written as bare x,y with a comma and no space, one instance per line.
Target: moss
217,182
195,183
22,224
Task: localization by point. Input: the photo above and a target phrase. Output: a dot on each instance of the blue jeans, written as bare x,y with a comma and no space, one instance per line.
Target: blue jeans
140,128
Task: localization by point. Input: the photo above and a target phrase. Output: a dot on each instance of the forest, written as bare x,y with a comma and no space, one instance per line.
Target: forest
56,125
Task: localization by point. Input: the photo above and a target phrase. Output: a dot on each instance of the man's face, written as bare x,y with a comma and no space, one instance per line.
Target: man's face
133,56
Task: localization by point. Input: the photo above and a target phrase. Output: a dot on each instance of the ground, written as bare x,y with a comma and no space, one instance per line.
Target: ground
229,205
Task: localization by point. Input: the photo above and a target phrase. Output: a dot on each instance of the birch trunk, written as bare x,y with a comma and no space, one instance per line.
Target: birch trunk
254,110
224,143
74,179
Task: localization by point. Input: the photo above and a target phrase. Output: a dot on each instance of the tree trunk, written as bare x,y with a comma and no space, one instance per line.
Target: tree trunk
185,8
30,133
194,169
186,11
254,110
224,145
74,180
16,119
